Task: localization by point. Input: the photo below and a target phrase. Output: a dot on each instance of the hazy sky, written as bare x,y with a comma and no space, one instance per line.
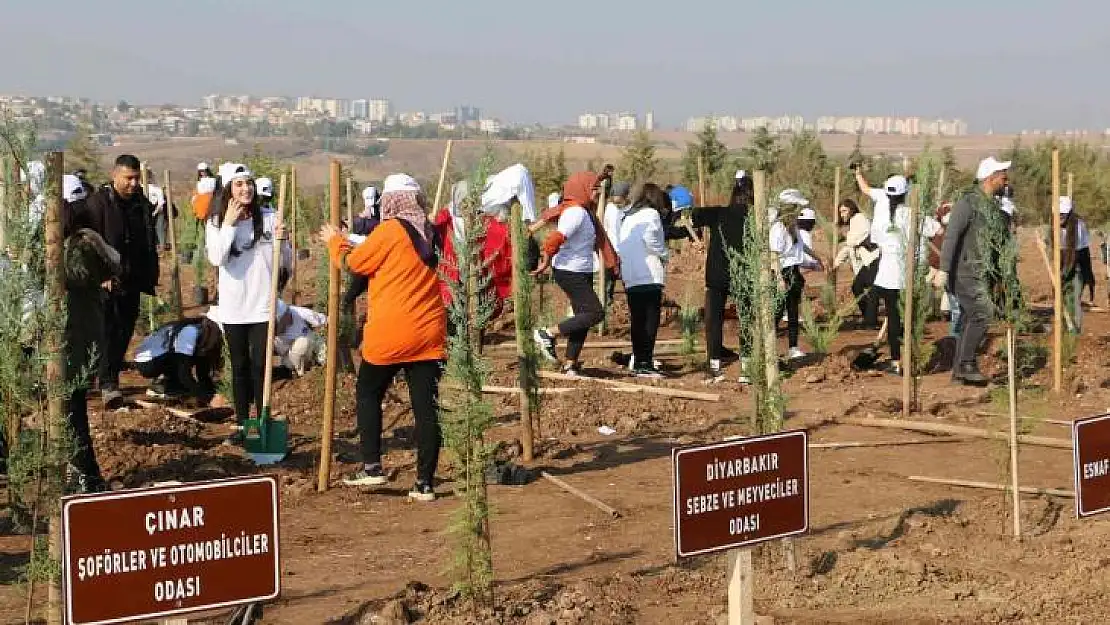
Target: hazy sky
1010,65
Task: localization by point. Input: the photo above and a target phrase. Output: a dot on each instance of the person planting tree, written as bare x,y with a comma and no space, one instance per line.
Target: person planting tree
787,242
863,255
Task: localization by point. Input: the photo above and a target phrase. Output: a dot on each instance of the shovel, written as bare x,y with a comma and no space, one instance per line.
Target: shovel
266,439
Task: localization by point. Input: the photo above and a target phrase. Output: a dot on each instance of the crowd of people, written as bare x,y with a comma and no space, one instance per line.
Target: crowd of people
401,252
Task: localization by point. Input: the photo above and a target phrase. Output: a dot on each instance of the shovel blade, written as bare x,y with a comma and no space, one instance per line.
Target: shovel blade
268,442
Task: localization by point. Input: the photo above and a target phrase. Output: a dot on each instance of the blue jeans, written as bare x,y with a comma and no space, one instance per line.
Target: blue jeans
955,313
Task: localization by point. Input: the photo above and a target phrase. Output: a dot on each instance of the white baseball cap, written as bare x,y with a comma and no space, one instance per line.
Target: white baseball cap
72,189
1065,205
990,166
740,173
202,166
399,182
808,214
793,196
233,171
896,185
265,187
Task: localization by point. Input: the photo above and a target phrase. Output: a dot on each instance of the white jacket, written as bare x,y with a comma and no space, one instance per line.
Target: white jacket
642,248
244,280
859,228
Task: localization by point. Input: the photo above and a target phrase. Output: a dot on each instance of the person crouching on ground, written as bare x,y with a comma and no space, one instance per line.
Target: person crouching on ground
296,343
406,327
643,250
569,251
180,357
239,239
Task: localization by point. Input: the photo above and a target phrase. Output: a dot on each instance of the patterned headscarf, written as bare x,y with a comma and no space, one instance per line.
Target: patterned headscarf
409,206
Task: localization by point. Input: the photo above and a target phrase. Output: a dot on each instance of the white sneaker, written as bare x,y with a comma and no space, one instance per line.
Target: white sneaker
796,353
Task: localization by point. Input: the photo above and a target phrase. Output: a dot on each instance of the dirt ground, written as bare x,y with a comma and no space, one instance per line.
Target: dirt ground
881,549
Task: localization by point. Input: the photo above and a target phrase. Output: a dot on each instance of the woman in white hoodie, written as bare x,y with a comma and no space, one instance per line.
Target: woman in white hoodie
786,241
642,247
240,235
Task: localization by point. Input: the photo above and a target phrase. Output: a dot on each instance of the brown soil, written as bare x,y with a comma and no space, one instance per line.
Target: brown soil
881,549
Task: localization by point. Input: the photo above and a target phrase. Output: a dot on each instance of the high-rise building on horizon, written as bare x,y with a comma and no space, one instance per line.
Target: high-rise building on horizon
360,109
380,110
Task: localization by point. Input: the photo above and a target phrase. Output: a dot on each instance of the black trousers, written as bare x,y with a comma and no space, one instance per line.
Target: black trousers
645,307
611,278
356,286
976,310
423,380
1086,270
892,301
715,299
579,288
866,297
77,414
795,286
120,313
179,371
246,346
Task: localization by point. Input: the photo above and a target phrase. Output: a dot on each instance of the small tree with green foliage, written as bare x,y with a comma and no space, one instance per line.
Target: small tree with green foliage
638,160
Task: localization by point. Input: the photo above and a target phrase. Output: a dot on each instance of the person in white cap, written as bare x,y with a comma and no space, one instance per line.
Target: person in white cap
180,357
239,239
786,241
296,342
1075,266
961,265
890,228
204,171
406,327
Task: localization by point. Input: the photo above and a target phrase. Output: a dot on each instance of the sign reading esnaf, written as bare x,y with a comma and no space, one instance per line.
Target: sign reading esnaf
740,492
1091,448
156,552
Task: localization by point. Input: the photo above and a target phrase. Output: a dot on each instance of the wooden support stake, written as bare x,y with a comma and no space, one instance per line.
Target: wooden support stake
1054,279
593,501
5,189
333,341
628,387
171,227
442,178
602,277
1013,433
1058,290
701,182
350,203
859,444
836,224
518,231
1056,492
958,430
907,310
1071,185
55,366
764,308
294,209
741,587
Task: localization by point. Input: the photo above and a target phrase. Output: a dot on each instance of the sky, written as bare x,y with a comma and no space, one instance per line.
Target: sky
1002,66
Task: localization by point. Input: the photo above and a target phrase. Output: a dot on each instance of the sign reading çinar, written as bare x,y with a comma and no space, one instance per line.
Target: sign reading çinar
168,550
1091,447
740,492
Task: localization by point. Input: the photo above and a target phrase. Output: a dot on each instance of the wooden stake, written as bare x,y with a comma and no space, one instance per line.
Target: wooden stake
442,177
517,228
5,189
958,430
741,588
350,203
333,342
602,277
55,366
907,311
1071,185
1053,278
593,501
764,308
171,226
629,387
701,182
1013,433
1056,492
1058,291
836,223
294,206
859,444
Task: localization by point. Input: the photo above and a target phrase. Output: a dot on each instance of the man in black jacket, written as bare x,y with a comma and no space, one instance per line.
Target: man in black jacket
121,214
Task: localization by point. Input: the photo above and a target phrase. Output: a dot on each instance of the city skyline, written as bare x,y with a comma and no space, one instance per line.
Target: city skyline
1029,67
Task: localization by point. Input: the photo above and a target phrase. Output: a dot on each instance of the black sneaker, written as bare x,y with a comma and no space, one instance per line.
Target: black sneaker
714,373
546,343
422,491
648,372
373,476
969,374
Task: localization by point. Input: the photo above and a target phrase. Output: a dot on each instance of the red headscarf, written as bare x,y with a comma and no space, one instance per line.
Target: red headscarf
578,191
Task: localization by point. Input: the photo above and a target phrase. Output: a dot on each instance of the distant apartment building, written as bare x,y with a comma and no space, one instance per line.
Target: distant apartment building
649,121
465,115
593,121
491,126
626,122
360,109
380,110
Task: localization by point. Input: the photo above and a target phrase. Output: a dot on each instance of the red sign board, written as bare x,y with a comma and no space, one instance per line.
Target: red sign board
1091,448
740,492
156,552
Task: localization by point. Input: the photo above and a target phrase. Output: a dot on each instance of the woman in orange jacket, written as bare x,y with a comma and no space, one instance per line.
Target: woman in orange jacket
406,327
